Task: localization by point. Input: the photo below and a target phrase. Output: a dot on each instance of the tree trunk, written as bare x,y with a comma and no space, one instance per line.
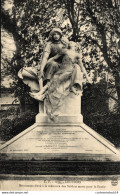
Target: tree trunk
74,35
117,85
22,105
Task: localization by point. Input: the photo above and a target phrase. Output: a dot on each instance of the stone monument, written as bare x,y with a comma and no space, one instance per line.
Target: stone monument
59,142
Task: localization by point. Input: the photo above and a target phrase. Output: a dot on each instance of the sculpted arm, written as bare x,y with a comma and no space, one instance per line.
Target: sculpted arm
44,61
45,56
43,64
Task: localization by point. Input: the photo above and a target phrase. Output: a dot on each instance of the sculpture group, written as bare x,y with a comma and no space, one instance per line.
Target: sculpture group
60,72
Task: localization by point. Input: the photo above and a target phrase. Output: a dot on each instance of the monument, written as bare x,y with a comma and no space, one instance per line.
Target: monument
59,142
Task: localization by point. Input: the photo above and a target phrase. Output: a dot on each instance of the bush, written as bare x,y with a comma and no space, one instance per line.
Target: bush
12,127
96,112
108,125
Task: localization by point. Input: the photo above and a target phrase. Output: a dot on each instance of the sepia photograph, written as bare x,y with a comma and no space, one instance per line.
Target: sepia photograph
60,95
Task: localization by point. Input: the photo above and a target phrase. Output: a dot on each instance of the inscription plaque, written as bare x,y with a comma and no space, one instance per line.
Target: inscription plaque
58,139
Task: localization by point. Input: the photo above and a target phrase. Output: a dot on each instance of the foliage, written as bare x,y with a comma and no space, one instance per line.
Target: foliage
95,98
96,114
11,126
107,124
95,24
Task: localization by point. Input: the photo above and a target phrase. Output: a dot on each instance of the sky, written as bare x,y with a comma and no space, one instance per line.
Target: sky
8,46
8,49
8,5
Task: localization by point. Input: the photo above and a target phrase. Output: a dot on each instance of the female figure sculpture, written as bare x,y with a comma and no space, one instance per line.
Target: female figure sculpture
60,72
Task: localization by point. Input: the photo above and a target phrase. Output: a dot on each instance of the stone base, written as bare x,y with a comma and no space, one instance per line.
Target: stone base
43,118
20,167
68,147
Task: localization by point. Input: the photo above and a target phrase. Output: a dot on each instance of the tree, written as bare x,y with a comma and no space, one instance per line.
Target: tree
95,23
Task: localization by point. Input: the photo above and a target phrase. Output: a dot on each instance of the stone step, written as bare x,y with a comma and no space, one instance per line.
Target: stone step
59,168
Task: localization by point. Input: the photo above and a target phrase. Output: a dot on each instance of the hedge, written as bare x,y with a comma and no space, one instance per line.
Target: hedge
108,125
11,127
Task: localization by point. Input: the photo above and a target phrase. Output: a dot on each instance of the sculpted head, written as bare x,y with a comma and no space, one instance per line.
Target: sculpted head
55,35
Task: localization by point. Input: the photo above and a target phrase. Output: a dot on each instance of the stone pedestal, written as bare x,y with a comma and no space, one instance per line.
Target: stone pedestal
66,140
62,141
